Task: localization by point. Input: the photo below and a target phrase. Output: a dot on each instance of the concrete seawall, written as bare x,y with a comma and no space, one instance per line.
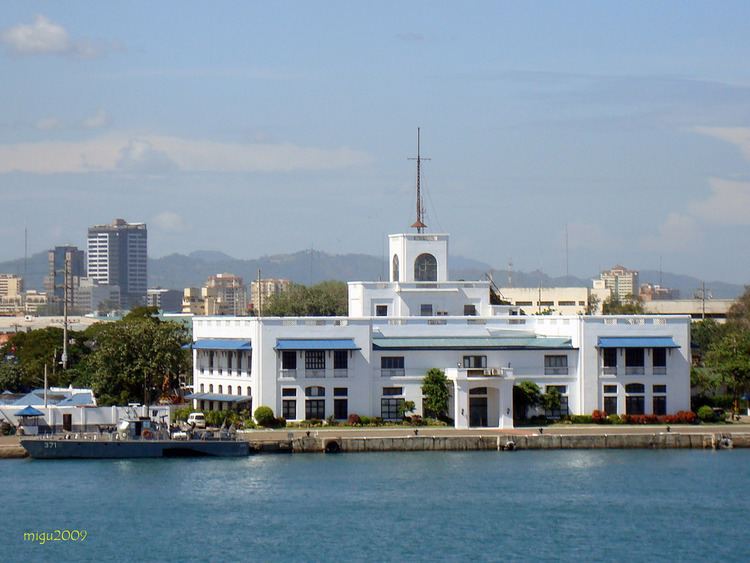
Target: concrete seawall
661,440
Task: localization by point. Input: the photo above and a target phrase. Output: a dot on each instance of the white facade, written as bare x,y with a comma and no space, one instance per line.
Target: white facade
371,361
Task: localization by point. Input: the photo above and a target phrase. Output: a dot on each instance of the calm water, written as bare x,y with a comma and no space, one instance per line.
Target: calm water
571,505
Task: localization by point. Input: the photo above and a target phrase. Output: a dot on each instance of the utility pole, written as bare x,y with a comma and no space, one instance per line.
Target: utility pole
260,297
66,276
45,386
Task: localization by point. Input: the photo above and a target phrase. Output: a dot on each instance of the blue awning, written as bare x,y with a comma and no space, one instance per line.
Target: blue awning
636,342
219,397
221,344
323,344
29,411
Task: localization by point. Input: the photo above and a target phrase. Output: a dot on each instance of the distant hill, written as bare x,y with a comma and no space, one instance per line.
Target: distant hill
177,271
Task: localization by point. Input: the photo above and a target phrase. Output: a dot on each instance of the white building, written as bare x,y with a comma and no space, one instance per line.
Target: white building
622,282
556,300
372,361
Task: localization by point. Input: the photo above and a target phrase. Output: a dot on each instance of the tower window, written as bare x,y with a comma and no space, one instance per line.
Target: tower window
395,268
425,268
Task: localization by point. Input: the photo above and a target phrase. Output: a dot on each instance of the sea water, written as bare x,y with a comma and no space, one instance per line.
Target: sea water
611,505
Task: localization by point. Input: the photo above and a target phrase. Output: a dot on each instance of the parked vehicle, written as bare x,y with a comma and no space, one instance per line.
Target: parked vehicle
198,419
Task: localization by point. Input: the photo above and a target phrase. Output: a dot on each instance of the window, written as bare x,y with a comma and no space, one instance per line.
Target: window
239,361
634,361
391,409
340,391
211,388
478,391
381,310
470,310
563,410
229,389
524,303
566,303
660,404
315,359
634,399
475,362
610,405
289,409
660,361
425,268
210,359
229,360
220,389
395,268
315,408
315,391
390,391
239,390
201,387
555,365
340,409
289,360
340,359
289,392
425,310
660,389
248,394
392,366
609,361
610,389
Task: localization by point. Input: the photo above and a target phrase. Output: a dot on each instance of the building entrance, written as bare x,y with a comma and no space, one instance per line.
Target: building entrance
478,411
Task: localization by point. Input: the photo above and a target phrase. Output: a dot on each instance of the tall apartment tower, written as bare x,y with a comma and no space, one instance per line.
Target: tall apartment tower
55,281
117,255
622,282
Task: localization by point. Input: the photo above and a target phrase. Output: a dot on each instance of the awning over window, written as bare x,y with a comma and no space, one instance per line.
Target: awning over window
221,344
636,342
219,397
323,344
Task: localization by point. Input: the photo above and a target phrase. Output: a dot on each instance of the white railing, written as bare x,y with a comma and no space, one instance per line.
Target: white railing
635,370
392,372
609,370
315,373
288,373
556,370
660,370
341,372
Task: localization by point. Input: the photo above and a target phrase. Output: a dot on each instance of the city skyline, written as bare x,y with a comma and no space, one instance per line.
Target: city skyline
271,130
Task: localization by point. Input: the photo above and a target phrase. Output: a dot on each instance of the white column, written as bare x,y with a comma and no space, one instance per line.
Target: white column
506,403
461,404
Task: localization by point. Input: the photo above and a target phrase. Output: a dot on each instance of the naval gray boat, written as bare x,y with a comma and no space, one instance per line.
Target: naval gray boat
137,437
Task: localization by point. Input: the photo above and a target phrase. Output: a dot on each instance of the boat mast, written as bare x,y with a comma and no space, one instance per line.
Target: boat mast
419,224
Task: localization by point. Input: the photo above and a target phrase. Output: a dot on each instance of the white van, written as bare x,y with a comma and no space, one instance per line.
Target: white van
198,419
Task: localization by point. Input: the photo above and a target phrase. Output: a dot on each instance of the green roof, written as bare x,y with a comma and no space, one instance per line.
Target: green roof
472,343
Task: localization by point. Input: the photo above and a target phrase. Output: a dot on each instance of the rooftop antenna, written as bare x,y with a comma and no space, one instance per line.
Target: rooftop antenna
25,251
567,257
660,272
419,224
510,272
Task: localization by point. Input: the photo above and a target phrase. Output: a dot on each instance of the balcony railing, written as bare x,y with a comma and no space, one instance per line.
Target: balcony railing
315,372
609,370
341,372
290,373
558,370
660,370
392,372
635,370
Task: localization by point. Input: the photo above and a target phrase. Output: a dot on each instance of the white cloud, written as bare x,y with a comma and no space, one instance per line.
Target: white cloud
48,124
43,36
158,153
679,232
728,203
169,222
97,121
738,136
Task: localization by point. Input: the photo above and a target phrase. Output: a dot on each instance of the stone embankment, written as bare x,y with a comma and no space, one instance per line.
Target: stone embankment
507,442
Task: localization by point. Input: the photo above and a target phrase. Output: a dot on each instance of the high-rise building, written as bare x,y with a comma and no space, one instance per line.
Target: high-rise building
262,291
117,255
622,282
223,294
54,283
10,285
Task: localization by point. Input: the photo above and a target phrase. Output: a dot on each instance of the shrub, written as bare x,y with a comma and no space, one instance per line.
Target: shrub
365,420
706,414
613,419
581,418
599,417
354,420
279,422
264,416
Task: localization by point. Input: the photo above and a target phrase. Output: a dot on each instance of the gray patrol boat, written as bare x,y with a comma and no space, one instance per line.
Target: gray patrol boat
137,437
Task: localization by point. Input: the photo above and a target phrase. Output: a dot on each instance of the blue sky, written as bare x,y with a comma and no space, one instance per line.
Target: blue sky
262,128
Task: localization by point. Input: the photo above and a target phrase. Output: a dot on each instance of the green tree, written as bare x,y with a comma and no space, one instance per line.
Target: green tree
630,305
11,377
551,399
525,395
135,359
326,299
592,305
435,391
739,312
730,358
703,334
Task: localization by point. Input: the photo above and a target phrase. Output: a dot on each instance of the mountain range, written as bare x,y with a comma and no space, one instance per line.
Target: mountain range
177,271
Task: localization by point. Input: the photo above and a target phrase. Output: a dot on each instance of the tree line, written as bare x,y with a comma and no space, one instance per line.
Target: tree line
137,359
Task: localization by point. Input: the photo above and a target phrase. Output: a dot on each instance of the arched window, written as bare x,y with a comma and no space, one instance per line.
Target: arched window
201,387
239,390
211,388
220,389
635,388
395,268
248,391
229,389
425,268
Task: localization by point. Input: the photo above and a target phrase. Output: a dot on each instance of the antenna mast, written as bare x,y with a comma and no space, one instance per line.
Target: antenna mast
419,224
